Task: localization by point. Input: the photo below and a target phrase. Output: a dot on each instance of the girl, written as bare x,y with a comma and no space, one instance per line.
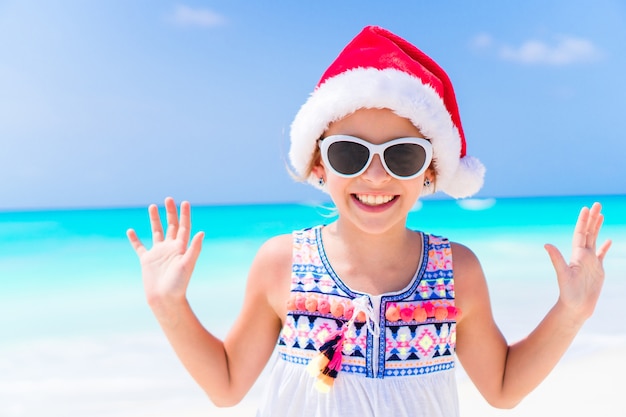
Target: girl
368,316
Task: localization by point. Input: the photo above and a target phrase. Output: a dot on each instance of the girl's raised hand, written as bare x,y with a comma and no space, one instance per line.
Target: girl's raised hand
166,267
581,280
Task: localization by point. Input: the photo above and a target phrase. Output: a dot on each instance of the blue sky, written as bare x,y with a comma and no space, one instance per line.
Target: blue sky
121,103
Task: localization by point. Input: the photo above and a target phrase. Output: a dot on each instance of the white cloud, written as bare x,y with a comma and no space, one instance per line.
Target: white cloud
481,41
187,16
566,50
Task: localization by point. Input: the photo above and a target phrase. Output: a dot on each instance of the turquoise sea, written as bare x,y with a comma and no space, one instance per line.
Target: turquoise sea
77,339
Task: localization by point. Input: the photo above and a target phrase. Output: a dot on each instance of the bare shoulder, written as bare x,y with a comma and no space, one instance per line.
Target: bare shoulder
270,272
465,260
470,286
276,250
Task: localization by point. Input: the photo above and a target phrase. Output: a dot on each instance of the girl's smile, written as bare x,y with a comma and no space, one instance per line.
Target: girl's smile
374,200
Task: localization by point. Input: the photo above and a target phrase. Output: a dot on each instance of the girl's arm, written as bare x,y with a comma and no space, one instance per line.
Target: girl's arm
506,374
224,369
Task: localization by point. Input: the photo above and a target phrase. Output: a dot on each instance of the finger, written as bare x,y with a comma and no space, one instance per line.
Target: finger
139,248
155,223
599,221
594,224
603,250
596,207
580,230
558,261
191,256
185,221
172,218
596,213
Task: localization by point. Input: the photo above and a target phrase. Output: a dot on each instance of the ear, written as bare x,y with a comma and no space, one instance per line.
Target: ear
319,171
430,173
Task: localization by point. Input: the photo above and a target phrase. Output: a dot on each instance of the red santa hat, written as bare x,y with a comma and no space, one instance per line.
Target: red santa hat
378,69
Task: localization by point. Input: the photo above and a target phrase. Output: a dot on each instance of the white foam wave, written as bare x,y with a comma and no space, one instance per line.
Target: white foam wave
476,204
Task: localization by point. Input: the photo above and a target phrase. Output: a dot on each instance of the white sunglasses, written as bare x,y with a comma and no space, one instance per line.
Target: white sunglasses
349,156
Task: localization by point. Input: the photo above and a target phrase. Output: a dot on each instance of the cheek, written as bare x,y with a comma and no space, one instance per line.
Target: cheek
336,186
414,187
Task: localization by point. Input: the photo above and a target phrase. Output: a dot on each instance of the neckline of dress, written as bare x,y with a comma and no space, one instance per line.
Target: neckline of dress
419,272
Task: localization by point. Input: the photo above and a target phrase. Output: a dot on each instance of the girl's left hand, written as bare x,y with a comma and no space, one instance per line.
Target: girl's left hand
581,280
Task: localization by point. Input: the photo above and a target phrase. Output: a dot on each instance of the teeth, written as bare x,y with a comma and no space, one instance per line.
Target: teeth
374,200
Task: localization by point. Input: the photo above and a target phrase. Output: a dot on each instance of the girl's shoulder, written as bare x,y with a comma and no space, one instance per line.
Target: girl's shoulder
465,260
462,252
469,280
270,273
276,250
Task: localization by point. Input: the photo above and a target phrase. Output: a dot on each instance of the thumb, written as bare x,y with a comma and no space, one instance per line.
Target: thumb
135,242
558,261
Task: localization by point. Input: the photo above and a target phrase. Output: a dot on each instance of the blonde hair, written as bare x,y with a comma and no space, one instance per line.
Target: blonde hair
315,160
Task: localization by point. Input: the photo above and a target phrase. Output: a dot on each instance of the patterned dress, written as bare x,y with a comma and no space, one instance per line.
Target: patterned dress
397,351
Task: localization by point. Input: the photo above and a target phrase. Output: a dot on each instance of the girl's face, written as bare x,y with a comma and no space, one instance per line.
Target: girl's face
373,201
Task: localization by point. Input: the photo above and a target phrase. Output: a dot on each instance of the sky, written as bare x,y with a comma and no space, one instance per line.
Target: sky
111,103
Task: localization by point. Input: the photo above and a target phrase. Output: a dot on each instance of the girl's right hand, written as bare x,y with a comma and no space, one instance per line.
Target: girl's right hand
166,268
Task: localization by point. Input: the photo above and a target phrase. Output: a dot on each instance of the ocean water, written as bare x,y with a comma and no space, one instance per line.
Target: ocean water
77,338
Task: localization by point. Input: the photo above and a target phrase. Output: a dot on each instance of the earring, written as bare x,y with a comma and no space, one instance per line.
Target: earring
321,182
427,183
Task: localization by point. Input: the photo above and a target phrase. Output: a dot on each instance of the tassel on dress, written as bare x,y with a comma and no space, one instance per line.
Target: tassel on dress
326,366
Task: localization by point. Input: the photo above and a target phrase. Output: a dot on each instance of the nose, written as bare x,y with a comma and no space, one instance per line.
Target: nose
376,172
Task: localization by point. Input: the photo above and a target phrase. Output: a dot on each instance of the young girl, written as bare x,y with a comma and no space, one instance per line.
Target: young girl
366,315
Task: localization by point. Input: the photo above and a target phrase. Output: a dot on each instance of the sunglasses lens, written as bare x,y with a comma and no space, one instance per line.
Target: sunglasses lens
405,159
347,158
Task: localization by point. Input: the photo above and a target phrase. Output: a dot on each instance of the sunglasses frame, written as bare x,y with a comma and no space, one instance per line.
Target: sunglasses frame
374,149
